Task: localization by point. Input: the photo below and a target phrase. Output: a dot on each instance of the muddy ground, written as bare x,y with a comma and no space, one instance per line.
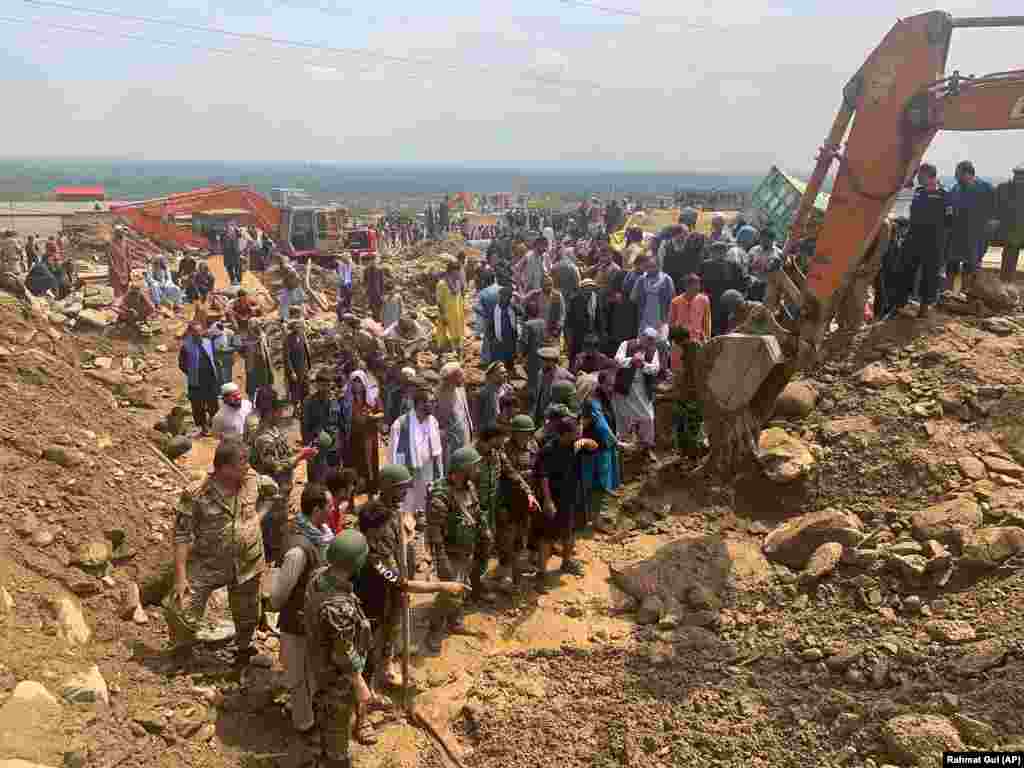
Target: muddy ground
738,659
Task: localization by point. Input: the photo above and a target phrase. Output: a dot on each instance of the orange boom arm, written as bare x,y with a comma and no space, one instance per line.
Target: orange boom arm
895,104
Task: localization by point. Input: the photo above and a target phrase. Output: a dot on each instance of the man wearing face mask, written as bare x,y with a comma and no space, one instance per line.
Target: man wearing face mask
229,421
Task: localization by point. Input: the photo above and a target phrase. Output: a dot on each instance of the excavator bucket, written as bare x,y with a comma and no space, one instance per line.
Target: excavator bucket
741,364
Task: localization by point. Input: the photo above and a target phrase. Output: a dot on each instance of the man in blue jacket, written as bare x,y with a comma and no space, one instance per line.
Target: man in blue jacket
973,203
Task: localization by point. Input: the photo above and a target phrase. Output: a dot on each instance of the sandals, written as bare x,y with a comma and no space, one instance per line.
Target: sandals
572,567
364,733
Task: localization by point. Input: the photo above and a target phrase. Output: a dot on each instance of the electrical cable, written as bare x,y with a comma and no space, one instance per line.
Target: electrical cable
549,80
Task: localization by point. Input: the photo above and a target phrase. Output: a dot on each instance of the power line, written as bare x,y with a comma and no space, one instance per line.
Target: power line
610,11
548,80
177,44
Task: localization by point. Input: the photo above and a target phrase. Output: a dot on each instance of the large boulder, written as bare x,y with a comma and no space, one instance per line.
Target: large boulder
87,687
93,554
1002,466
95,318
950,631
796,401
103,296
988,547
921,739
65,457
740,363
823,561
793,542
876,375
6,602
948,521
29,721
783,458
70,621
1000,296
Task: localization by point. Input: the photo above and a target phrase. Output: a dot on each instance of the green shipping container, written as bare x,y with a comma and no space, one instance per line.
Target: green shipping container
776,199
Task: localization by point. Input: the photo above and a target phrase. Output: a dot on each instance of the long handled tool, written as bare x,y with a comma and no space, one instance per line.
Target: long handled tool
406,621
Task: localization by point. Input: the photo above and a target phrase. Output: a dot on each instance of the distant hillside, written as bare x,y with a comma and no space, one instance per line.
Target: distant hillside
128,180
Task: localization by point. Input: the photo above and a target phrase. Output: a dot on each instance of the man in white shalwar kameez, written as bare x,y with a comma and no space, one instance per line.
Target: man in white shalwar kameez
633,399
415,444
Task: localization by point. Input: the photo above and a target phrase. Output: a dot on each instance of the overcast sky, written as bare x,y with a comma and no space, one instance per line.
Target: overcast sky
684,86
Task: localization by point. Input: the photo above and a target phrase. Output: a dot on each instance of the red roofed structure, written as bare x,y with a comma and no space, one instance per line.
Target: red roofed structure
80,194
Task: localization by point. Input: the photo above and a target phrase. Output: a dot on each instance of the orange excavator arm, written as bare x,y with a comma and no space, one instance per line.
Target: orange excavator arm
892,109
154,218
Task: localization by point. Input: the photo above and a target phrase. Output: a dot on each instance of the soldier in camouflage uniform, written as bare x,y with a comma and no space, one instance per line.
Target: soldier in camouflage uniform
273,456
379,521
522,449
338,639
459,536
507,502
218,543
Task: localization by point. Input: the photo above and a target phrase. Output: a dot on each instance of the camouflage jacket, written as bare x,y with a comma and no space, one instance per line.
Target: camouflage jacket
455,529
499,478
523,459
271,455
223,531
380,525
338,635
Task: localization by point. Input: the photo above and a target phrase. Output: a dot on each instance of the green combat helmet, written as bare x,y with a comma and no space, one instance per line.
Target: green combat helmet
463,458
348,550
393,476
564,393
521,423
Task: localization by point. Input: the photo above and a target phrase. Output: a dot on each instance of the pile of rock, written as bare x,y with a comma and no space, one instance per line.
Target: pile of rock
921,550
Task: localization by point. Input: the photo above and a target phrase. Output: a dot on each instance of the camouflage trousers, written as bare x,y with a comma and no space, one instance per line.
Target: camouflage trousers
334,709
184,622
449,609
511,527
276,530
386,633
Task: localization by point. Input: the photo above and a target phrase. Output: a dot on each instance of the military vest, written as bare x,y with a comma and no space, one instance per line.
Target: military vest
293,620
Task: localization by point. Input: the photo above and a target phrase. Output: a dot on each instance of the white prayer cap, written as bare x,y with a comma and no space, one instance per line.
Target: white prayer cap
650,333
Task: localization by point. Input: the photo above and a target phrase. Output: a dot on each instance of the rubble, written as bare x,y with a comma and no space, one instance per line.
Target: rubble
988,547
921,739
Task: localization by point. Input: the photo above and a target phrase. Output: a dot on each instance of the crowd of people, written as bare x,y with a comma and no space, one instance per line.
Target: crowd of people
940,245
496,485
